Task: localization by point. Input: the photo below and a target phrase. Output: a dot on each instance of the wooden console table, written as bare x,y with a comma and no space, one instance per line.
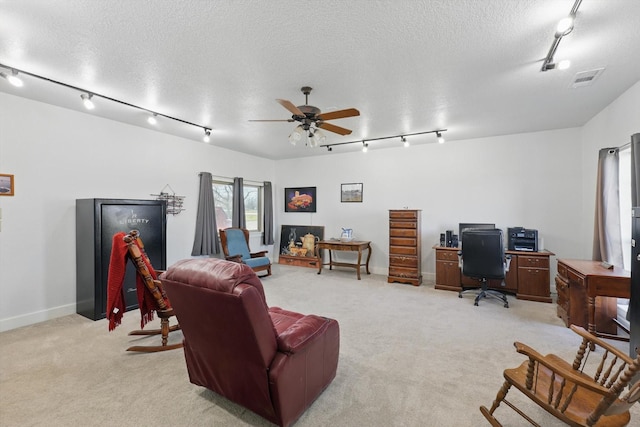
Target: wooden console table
579,283
337,245
528,276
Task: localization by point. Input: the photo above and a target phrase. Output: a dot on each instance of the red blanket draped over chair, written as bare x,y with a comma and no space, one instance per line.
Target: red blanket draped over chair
115,293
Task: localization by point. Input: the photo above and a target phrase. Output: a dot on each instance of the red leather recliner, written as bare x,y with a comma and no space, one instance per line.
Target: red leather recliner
272,361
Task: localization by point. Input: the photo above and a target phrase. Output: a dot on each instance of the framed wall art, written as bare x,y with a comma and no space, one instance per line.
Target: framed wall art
6,185
300,199
351,192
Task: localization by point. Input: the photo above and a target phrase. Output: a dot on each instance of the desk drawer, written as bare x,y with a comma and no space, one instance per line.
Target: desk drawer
533,261
447,255
403,261
562,271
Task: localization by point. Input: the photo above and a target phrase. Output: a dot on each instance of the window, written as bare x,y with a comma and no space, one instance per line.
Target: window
253,207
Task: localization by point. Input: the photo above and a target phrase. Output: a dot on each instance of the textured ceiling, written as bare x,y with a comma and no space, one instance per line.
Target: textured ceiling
471,67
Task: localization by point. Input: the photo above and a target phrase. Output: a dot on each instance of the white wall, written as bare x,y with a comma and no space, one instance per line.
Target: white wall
543,180
58,156
529,180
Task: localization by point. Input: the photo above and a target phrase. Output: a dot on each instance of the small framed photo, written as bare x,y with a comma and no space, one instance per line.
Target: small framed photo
300,199
6,185
351,192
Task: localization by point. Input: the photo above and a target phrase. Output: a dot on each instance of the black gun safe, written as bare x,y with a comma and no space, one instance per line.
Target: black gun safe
97,220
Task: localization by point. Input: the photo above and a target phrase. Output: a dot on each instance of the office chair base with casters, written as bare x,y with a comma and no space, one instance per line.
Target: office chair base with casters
485,292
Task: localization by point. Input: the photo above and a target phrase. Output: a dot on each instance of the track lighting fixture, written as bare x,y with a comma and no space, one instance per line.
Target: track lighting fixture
405,143
440,138
365,147
12,78
11,75
86,100
207,135
564,27
329,148
365,143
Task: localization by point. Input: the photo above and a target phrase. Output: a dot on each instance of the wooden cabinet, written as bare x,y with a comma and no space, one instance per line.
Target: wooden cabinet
533,277
528,276
405,255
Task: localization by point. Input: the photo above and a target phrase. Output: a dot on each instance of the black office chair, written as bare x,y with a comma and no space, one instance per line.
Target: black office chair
482,258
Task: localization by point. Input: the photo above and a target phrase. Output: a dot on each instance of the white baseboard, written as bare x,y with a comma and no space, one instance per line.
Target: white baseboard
36,317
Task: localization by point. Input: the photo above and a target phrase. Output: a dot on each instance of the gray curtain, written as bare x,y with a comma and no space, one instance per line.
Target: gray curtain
238,219
635,170
206,239
607,239
267,237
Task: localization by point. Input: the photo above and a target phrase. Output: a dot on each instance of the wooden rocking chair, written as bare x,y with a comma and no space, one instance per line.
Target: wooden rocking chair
579,394
135,248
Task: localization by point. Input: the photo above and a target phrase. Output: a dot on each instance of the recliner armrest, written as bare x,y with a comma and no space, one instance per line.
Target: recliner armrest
296,336
259,254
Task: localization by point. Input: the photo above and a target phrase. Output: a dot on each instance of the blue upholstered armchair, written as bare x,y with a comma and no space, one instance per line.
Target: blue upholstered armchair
235,245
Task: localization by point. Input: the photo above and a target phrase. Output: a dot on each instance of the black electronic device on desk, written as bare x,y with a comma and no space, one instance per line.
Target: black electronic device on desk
522,239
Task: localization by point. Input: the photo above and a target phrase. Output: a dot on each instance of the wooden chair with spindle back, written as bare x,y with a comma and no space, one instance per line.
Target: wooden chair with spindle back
163,310
580,394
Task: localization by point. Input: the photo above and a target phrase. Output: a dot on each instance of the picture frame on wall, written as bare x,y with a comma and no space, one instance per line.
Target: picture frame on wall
6,185
351,192
300,199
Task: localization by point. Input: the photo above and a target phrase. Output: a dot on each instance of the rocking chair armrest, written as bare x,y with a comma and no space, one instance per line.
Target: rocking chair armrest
235,258
567,373
259,254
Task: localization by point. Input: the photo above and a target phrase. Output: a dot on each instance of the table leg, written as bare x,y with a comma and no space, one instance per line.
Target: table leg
368,257
591,310
330,260
319,260
358,263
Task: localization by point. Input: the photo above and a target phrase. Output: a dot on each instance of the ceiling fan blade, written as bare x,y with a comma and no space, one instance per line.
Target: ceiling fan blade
274,120
289,106
340,114
334,128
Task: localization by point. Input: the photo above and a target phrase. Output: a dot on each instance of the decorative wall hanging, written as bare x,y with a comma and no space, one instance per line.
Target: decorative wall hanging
174,203
300,199
351,192
6,185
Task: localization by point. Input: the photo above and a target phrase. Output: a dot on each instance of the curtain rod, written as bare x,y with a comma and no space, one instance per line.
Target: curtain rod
226,178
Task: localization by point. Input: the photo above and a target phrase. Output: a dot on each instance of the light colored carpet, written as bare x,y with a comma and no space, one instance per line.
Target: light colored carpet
409,356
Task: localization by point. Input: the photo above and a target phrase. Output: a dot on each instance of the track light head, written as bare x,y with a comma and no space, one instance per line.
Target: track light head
207,135
365,147
565,26
440,138
13,78
152,120
329,148
86,100
404,141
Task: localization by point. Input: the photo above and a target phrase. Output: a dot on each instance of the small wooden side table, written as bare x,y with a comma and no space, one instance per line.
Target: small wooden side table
337,245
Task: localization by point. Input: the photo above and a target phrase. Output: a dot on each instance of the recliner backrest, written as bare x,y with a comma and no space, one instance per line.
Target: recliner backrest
483,253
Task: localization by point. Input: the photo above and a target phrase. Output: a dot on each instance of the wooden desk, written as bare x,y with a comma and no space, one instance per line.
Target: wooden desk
579,283
528,276
337,245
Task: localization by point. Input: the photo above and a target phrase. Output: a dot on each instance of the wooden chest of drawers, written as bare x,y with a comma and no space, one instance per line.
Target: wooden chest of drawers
405,255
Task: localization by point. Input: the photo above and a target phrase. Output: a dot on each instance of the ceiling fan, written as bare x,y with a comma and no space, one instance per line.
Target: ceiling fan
312,120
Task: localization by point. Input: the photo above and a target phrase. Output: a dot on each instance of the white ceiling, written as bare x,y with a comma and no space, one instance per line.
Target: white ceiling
469,66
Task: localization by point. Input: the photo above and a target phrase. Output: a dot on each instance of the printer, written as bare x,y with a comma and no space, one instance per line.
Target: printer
522,239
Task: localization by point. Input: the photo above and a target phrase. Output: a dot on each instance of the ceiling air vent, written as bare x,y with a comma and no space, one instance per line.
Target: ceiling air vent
586,78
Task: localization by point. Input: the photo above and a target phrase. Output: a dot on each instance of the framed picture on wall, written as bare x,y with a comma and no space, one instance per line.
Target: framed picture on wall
6,185
300,199
351,192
